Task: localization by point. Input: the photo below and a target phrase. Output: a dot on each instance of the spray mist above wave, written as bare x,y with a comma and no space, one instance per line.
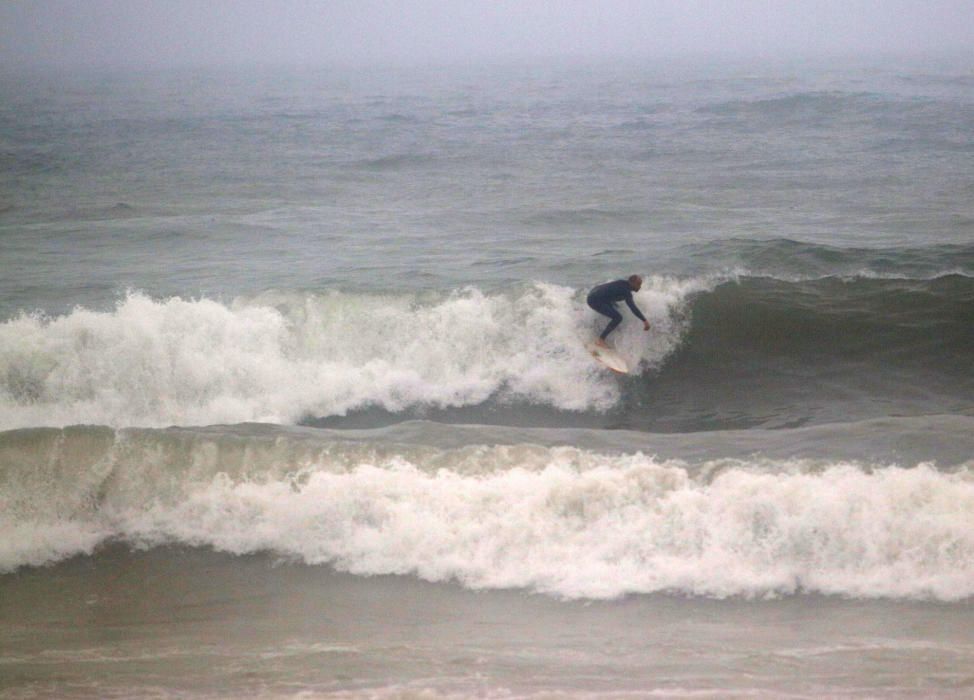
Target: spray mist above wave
281,356
559,520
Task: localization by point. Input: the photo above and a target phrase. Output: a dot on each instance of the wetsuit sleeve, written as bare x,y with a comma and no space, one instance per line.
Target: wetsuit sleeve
632,307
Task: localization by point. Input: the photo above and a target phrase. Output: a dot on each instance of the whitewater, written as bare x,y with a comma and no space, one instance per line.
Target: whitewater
576,523
282,356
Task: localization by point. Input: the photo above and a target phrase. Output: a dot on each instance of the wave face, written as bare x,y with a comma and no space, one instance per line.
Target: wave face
869,321
285,357
563,520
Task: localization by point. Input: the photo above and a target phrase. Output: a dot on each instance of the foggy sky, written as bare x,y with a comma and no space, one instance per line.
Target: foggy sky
191,32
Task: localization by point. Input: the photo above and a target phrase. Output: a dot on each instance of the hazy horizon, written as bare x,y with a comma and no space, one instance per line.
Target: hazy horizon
148,33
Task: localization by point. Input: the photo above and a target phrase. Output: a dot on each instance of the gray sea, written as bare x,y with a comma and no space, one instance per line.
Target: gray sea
295,400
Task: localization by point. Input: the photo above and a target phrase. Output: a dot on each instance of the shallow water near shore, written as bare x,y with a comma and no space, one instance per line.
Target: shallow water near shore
178,622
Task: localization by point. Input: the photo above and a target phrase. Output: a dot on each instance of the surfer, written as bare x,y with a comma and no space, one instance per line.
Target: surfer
604,297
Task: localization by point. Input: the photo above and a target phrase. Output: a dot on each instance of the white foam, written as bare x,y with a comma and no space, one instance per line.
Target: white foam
562,521
281,356
32,543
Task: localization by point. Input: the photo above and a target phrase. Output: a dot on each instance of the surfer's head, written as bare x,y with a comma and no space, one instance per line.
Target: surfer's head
635,281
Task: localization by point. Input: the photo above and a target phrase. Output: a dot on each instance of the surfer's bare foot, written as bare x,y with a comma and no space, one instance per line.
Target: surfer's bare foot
602,344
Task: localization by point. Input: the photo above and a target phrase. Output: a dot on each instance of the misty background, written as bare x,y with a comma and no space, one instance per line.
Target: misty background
148,33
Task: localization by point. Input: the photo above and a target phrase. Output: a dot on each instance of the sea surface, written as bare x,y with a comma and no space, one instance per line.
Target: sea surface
295,401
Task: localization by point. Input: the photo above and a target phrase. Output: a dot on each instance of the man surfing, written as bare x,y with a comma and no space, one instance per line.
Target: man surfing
604,297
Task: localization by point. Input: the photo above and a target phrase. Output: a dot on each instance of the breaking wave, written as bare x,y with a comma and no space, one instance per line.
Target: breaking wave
283,355
560,520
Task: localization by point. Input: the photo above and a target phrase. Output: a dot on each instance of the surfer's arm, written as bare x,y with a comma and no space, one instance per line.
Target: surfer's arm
635,310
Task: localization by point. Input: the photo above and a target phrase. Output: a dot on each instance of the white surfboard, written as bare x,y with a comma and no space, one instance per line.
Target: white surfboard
610,358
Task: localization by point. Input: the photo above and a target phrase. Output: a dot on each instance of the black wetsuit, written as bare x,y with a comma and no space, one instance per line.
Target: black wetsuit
604,298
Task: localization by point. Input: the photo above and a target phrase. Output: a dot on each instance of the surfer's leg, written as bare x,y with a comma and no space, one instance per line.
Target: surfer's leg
615,318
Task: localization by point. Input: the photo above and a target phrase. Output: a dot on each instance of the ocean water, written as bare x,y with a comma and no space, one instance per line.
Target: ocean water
294,399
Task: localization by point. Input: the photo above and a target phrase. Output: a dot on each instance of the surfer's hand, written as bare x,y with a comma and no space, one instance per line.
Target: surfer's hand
645,325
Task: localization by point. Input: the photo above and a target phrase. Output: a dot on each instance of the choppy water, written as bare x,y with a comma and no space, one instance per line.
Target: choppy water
336,318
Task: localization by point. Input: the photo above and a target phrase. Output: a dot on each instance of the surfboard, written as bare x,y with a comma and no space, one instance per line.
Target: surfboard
609,358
